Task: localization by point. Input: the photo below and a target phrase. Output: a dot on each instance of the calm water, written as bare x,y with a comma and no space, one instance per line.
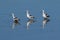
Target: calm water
35,31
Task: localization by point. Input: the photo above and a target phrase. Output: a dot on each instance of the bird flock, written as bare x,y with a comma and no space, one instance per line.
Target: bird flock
30,17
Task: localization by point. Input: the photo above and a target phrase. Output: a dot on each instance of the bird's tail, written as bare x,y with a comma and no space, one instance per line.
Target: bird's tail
48,16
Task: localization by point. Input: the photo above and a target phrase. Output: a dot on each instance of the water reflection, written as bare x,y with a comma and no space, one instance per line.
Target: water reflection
45,21
29,22
15,24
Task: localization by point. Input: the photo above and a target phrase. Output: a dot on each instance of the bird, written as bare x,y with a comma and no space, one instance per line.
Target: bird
45,16
29,16
15,19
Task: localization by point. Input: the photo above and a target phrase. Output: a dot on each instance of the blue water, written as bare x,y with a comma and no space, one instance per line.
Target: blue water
51,30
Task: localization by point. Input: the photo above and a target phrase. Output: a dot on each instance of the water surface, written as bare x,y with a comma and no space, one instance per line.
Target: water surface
35,30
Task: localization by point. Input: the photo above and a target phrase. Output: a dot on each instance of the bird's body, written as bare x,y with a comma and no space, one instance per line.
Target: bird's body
28,15
15,19
44,14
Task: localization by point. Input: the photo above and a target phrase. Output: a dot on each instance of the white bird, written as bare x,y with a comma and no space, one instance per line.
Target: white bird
15,19
44,14
28,15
